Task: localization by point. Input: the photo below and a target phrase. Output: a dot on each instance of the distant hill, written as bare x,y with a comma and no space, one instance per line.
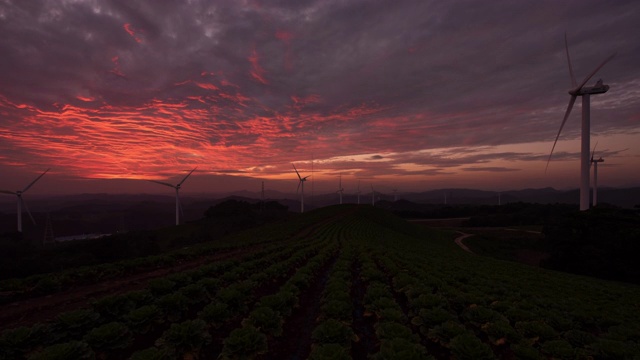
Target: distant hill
109,213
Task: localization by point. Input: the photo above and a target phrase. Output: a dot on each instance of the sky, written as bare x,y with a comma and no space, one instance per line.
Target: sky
413,95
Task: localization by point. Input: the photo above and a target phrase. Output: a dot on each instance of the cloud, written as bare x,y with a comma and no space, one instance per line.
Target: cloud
111,88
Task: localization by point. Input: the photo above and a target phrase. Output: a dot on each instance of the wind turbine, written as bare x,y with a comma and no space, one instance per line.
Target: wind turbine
585,92
373,196
301,183
340,189
21,201
595,175
177,187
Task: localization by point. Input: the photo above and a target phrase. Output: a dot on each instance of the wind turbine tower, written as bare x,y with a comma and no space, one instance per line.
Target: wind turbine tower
595,175
301,187
177,187
585,92
340,189
21,201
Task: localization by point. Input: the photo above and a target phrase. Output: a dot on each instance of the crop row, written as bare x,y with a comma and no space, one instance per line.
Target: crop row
42,284
468,306
115,323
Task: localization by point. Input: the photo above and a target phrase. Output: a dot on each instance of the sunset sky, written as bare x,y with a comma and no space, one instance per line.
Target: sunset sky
412,94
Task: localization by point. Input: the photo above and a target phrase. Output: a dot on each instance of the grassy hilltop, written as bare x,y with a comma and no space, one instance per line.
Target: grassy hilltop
338,282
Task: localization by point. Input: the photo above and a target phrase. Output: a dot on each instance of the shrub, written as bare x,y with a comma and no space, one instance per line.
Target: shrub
533,329
47,285
479,315
233,297
301,280
444,333
333,331
282,302
187,337
500,332
74,324
111,336
215,314
195,293
579,338
173,305
144,318
244,343
210,284
336,309
431,317
400,348
392,315
266,320
614,349
393,330
329,352
427,301
526,352
152,353
558,349
113,307
16,342
74,350
468,347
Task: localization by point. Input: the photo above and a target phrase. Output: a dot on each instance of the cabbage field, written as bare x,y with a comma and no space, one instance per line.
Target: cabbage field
343,282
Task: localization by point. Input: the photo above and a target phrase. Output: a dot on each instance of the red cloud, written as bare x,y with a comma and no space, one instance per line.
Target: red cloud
257,72
130,31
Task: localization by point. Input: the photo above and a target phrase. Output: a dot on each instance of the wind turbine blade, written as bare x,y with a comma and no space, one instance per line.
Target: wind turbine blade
566,116
185,178
566,45
34,181
298,188
8,192
305,178
594,150
294,168
162,183
596,70
24,205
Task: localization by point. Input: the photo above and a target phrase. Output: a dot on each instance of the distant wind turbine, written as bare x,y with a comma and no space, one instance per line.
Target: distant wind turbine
373,196
177,187
300,184
595,175
21,201
585,92
340,189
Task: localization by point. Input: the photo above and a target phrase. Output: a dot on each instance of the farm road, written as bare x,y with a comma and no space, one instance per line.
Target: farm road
459,242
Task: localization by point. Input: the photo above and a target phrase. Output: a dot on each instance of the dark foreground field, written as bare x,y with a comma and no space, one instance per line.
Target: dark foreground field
344,282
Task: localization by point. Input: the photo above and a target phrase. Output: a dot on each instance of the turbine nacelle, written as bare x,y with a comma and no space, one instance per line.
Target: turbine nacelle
598,88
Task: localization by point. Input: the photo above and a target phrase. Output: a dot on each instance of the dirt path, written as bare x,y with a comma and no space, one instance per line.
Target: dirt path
459,242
